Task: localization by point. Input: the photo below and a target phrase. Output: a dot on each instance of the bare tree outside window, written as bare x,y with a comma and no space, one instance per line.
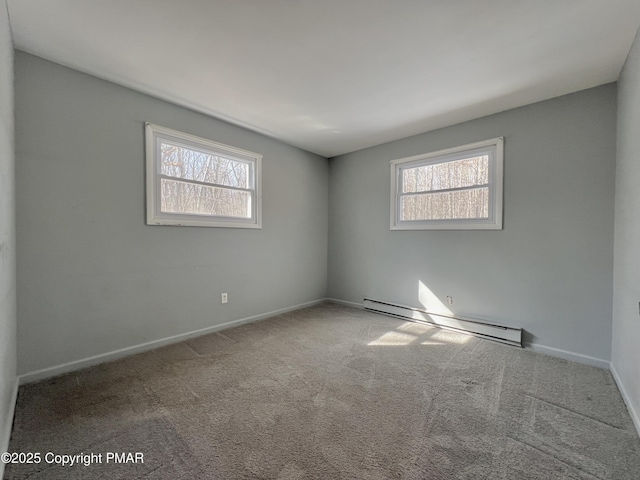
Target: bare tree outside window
193,181
185,166
448,190
459,188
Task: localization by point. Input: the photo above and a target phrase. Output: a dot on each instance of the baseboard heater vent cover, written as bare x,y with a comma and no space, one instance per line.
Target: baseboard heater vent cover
498,333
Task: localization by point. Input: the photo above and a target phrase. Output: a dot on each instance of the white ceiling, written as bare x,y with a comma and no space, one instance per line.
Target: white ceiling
334,76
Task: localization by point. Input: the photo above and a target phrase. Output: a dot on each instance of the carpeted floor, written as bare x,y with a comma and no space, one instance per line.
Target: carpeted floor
331,392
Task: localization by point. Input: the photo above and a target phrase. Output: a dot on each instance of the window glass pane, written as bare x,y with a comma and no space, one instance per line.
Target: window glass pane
467,172
194,199
191,164
469,204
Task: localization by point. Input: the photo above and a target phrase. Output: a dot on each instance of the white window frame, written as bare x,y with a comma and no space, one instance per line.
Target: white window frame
494,148
154,135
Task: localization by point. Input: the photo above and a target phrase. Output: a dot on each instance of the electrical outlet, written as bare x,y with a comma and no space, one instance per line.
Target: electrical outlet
224,298
449,300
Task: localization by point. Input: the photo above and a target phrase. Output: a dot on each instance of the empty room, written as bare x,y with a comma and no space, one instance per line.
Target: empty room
297,239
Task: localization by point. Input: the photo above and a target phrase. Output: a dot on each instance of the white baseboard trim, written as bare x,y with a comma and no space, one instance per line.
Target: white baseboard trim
8,425
345,303
567,355
627,399
56,370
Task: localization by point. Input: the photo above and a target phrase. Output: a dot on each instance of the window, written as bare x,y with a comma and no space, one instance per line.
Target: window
455,189
197,182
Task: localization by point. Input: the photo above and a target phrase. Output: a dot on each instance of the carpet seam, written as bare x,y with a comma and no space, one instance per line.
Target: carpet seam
575,412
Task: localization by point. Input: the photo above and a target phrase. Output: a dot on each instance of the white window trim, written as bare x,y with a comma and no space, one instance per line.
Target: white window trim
154,214
496,172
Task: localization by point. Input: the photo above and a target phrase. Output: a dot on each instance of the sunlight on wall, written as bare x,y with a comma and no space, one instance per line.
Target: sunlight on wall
430,301
419,333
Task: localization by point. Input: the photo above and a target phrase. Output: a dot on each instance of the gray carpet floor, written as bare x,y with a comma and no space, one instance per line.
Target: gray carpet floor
331,392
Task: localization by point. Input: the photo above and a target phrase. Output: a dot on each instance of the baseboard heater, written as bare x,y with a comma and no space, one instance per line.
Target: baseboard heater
498,333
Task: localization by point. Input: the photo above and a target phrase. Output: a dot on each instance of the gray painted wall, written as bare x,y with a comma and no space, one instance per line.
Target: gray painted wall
625,356
92,277
549,270
7,235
